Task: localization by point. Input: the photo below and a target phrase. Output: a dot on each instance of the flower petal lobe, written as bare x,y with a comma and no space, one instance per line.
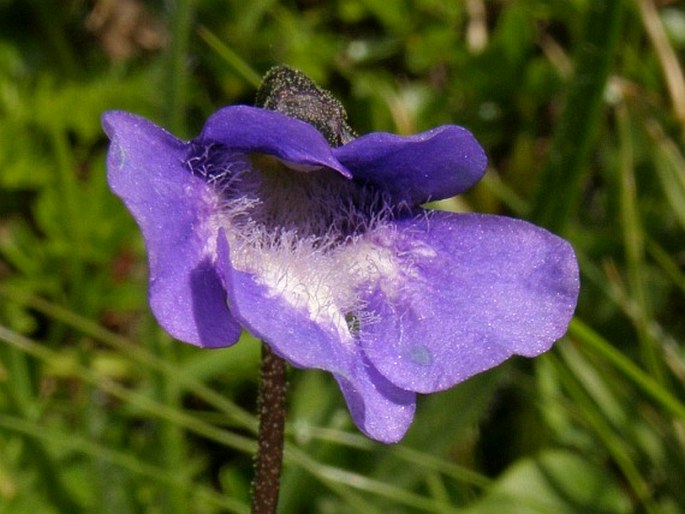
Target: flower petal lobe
145,168
433,165
494,287
253,130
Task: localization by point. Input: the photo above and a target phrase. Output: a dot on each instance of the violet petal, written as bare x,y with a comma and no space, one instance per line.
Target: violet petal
145,168
254,130
379,408
433,165
483,289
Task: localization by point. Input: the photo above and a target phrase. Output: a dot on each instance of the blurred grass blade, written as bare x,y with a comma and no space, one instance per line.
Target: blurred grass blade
136,353
61,440
667,263
20,400
132,398
399,495
611,439
668,58
409,456
670,167
181,20
633,244
646,383
507,195
596,385
562,177
239,65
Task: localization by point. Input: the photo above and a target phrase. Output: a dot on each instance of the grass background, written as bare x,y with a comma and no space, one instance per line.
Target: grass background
580,105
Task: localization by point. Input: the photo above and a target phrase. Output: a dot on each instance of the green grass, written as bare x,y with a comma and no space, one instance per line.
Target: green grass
577,103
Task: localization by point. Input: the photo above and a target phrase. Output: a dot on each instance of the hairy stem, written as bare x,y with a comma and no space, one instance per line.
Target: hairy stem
269,458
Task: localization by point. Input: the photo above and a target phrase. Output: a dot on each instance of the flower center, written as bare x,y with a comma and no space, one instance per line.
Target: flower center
314,238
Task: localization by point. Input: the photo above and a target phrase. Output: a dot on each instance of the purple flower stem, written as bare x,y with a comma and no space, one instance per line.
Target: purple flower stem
269,457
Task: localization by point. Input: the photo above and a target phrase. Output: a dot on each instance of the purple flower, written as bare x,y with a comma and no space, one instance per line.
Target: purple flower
325,254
